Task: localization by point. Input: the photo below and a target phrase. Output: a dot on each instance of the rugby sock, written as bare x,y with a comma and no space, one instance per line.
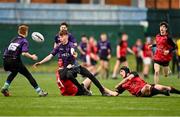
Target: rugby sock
38,89
6,85
173,90
155,91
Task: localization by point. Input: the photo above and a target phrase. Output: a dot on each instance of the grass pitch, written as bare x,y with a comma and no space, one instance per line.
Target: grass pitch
25,102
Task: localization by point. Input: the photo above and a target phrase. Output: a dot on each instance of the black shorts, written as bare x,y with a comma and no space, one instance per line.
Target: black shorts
10,64
122,59
104,58
164,63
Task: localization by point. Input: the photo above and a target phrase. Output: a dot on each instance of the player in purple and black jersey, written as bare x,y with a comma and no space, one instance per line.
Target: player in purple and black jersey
69,67
12,61
104,50
64,26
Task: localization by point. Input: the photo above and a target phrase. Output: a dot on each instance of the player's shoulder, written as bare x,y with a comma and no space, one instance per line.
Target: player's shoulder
135,73
158,35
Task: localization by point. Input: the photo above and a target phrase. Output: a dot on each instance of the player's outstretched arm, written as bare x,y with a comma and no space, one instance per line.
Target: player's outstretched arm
46,59
31,56
130,50
125,80
112,93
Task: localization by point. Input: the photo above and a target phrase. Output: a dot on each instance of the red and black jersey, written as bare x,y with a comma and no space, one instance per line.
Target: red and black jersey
147,52
123,48
163,43
66,87
133,85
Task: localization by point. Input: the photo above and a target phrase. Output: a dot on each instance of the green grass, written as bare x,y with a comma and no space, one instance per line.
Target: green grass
24,100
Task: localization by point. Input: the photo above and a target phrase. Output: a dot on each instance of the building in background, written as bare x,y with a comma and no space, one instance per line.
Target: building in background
156,4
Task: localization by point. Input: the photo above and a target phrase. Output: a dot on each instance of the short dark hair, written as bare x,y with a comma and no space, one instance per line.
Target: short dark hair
63,32
164,23
64,23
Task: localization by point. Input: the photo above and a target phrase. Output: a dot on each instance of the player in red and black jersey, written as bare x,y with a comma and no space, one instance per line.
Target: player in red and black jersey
146,56
138,87
163,54
121,53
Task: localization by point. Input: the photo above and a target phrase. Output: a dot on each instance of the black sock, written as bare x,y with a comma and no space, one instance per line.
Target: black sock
155,91
173,90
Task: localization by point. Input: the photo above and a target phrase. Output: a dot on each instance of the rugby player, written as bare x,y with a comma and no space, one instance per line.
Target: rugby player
104,50
121,52
138,87
12,61
163,54
64,26
70,68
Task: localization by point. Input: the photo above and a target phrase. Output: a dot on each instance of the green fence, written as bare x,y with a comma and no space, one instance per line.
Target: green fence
8,31
172,16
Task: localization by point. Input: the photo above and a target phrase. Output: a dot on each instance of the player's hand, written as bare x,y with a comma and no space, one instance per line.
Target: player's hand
34,57
166,52
36,64
69,66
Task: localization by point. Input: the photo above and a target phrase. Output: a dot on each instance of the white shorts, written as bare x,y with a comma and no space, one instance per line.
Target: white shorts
147,60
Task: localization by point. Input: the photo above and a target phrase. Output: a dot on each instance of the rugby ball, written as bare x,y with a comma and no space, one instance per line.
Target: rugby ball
38,37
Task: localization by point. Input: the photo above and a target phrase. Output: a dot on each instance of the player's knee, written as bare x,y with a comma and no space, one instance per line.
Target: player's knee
156,73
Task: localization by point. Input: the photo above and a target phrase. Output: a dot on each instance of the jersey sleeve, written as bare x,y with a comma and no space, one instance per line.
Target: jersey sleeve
25,46
120,89
171,42
55,51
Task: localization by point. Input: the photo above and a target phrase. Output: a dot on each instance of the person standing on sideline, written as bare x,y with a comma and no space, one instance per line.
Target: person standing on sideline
137,48
121,52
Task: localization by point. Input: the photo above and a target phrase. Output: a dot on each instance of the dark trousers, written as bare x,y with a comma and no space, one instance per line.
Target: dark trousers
71,74
16,66
139,64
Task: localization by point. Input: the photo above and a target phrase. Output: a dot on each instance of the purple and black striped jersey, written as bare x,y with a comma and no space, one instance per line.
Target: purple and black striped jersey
16,47
103,47
64,53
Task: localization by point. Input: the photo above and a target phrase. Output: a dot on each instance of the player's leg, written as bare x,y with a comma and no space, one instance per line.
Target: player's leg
166,70
170,89
71,75
116,67
151,90
106,67
4,89
87,83
24,71
12,66
156,73
85,72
